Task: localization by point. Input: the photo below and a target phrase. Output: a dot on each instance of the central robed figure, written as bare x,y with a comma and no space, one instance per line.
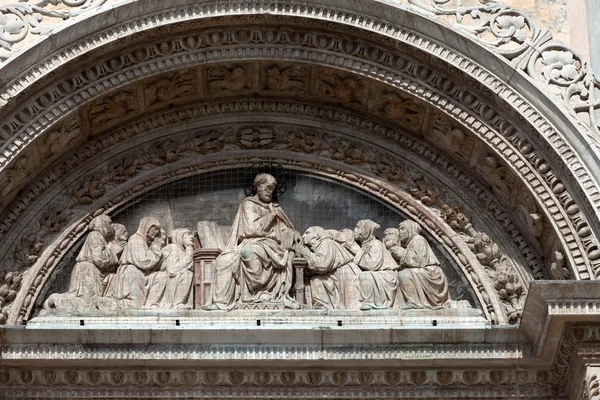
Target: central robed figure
256,266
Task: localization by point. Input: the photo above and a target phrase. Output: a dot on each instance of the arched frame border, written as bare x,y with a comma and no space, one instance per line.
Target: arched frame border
352,177
576,248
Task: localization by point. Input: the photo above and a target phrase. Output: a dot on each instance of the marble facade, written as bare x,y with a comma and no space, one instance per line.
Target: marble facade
470,124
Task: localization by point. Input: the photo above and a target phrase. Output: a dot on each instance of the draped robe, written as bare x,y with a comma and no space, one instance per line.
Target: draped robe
422,283
177,265
335,284
378,281
139,267
94,263
255,266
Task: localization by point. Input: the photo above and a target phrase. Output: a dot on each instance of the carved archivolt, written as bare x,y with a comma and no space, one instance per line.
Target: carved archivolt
350,91
513,36
503,142
161,162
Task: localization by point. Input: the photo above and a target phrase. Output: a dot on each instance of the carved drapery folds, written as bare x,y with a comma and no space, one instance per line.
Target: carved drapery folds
484,138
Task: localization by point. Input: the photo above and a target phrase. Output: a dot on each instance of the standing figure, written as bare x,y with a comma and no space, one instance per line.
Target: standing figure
422,283
141,258
257,263
378,280
177,264
334,285
95,261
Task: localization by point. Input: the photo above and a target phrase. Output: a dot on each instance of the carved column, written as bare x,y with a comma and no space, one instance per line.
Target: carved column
299,267
203,266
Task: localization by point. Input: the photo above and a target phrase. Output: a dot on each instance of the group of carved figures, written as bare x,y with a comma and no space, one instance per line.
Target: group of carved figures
348,270
144,271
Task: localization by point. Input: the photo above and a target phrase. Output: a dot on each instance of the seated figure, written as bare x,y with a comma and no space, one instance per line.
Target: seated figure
422,283
96,260
334,285
140,264
378,280
176,269
257,263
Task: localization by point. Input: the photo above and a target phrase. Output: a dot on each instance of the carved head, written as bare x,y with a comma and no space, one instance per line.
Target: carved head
149,228
331,233
313,235
391,238
120,232
344,236
365,229
264,185
102,224
182,237
408,230
164,237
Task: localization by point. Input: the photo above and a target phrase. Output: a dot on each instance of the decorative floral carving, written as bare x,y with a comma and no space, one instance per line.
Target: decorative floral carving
57,140
19,20
256,138
110,108
509,31
512,27
497,265
344,90
221,79
170,87
286,79
591,388
560,66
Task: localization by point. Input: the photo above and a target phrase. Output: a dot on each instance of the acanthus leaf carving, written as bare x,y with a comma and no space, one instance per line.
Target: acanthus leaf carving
286,79
170,87
222,79
111,108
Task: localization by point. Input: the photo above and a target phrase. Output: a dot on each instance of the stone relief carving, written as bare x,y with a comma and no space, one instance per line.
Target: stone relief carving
334,283
557,267
176,268
256,266
348,270
170,87
497,175
499,268
219,140
286,79
113,107
223,79
514,35
345,90
489,115
422,282
585,274
97,260
378,279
